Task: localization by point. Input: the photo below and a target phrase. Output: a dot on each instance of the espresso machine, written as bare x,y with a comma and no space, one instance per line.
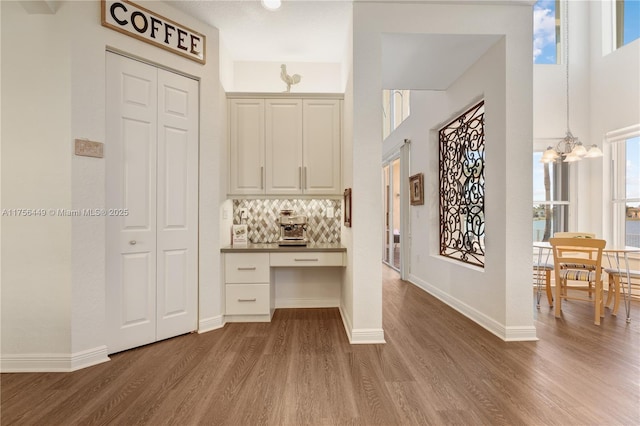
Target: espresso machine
293,229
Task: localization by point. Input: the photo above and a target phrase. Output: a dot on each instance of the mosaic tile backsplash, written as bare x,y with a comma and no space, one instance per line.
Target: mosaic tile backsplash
263,214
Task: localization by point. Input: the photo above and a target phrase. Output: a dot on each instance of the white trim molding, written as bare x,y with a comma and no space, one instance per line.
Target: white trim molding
210,324
346,322
362,336
53,363
508,334
367,336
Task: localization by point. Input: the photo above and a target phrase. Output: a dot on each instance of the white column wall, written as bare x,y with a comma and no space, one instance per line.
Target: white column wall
367,174
347,294
499,296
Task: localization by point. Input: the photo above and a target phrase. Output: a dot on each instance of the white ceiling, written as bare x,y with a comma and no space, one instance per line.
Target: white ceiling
317,31
300,31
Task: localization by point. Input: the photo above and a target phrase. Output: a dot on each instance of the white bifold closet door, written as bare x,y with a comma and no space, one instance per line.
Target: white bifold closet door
151,156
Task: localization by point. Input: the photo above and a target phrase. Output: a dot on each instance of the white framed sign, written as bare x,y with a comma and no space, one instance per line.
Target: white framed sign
136,21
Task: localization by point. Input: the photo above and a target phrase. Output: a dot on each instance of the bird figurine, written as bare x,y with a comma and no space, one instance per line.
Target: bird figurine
289,79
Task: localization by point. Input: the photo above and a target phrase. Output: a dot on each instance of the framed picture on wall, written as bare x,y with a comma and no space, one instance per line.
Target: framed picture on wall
347,207
416,188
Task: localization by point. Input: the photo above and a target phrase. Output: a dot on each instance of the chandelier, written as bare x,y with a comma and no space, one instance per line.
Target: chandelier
570,146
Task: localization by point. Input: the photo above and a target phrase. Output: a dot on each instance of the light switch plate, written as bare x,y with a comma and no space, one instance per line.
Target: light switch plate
87,148
330,212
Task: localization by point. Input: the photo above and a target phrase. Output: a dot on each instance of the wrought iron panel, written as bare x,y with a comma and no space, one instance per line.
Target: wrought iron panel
462,158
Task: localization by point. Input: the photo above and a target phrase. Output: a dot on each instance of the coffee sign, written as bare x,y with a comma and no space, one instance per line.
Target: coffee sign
138,22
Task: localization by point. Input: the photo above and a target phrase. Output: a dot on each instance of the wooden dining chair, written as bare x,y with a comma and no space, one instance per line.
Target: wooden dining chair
577,235
542,273
578,260
618,284
574,235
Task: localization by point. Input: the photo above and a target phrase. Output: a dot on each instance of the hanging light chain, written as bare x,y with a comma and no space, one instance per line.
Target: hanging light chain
566,56
569,147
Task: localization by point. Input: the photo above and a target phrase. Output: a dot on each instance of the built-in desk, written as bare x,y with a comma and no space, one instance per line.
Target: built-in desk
249,275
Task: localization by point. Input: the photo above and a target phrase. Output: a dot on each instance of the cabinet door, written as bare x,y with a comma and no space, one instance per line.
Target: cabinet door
283,146
246,150
321,147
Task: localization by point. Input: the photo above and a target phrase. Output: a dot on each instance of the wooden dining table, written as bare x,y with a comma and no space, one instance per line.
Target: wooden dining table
620,256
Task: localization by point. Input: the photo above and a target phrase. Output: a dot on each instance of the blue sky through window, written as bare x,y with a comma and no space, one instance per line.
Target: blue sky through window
631,21
544,32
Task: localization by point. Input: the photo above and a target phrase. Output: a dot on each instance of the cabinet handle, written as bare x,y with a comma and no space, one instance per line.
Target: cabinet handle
305,177
262,177
300,176
250,268
306,260
247,300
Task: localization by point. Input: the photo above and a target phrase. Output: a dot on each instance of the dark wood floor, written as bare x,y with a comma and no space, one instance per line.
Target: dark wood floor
436,368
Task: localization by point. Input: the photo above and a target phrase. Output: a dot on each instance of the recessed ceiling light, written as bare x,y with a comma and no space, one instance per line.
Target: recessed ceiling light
271,4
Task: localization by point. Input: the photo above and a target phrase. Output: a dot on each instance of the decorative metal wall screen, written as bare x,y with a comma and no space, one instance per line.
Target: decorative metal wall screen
462,158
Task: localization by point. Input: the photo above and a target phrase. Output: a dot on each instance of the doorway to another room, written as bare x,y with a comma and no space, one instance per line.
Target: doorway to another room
392,217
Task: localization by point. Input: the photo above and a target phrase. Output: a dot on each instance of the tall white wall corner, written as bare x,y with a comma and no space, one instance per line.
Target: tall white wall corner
40,7
52,363
210,324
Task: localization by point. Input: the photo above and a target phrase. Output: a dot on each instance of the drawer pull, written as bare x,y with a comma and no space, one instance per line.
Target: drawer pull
251,268
247,300
306,260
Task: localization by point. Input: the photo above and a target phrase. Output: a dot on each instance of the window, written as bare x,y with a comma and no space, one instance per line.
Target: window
546,32
395,109
627,21
625,154
462,158
550,198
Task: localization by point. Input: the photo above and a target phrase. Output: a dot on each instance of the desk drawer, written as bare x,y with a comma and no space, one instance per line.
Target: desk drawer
307,259
246,267
247,299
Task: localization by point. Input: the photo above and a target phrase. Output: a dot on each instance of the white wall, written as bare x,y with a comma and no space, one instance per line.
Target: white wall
495,296
615,93
604,93
265,77
36,173
53,279
307,287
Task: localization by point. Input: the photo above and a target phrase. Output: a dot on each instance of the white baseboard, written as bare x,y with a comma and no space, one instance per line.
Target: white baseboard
51,363
307,303
508,334
210,324
346,322
367,336
363,336
520,334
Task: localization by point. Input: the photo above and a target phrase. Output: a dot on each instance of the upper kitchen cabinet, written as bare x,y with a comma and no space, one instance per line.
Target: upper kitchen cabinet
295,144
246,151
321,148
283,149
